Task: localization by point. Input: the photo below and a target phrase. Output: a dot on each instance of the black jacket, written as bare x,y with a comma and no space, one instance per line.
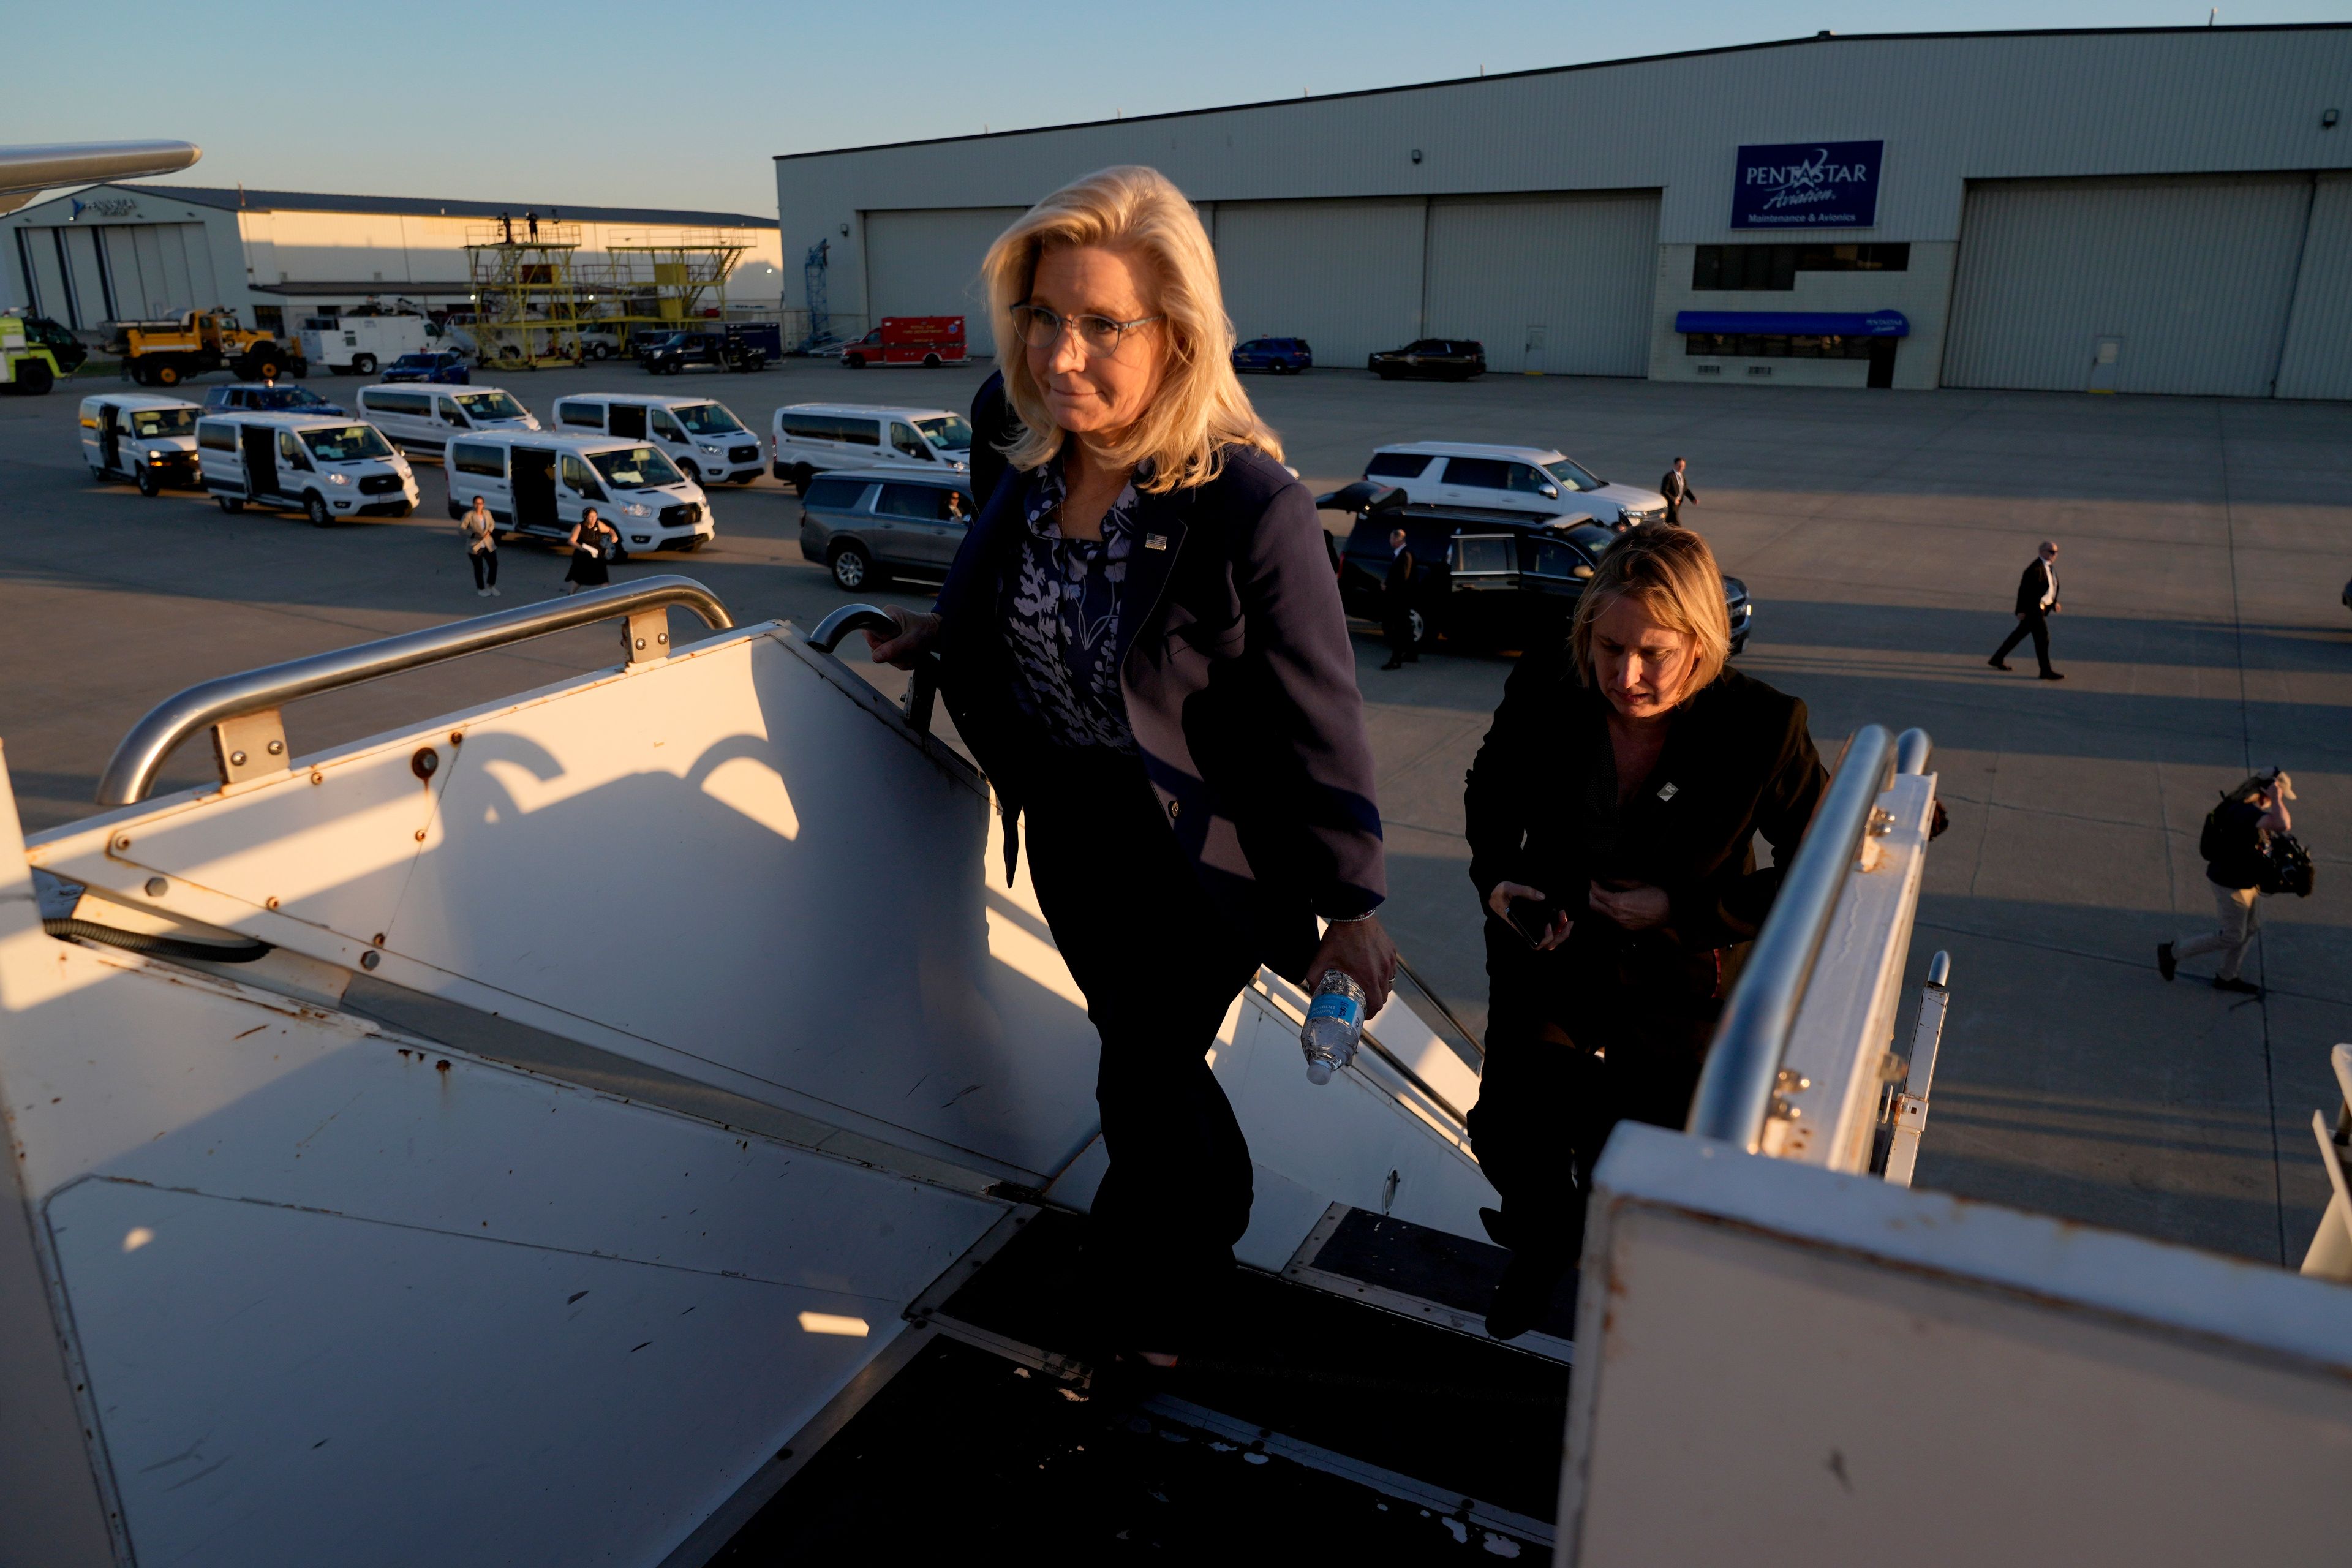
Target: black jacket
1541,803
993,427
1240,687
1676,487
2031,586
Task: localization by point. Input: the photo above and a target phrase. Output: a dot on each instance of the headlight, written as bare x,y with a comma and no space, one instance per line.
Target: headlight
155,457
338,479
636,509
715,451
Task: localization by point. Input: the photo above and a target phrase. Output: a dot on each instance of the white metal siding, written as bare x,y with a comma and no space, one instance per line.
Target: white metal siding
159,270
2318,358
1575,269
927,264
1345,276
2193,274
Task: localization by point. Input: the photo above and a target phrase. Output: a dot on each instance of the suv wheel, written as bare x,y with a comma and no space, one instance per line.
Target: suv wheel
148,484
1420,629
314,507
363,365
852,567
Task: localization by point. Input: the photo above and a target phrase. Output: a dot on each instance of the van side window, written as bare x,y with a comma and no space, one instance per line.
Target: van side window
290,451
216,438
590,415
576,474
483,462
927,502
839,493
1478,473
449,414
1397,466
628,419
904,440
861,432
665,428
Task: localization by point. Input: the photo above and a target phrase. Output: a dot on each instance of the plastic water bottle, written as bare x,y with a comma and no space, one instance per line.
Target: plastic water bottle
1335,1022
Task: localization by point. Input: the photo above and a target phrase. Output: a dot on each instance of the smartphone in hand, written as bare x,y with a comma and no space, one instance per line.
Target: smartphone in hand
1532,919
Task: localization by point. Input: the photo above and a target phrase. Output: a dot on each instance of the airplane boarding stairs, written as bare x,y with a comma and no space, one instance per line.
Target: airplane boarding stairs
612,1125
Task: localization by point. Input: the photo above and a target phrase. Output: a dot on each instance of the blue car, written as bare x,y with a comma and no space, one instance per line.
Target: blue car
444,365
1277,356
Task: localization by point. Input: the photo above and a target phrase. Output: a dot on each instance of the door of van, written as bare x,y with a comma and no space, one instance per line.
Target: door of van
626,420
453,419
673,436
109,436
534,471
580,490
908,444
260,443
291,459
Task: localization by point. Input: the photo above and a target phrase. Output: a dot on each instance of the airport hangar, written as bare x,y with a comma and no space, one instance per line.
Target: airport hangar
2142,210
146,252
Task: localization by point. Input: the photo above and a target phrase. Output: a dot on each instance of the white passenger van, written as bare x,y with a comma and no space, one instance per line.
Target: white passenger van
423,418
326,466
810,438
539,485
699,436
151,441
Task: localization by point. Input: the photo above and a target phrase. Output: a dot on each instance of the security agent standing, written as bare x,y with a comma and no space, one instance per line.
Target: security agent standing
2037,601
1675,487
1396,603
1143,644
1611,813
2234,842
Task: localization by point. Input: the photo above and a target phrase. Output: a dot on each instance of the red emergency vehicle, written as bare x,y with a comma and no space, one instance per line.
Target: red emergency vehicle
909,340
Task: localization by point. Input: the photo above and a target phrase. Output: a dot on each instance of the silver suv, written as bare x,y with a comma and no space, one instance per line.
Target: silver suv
871,523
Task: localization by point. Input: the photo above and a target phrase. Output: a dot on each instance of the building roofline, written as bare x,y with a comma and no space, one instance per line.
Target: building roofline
232,199
1562,70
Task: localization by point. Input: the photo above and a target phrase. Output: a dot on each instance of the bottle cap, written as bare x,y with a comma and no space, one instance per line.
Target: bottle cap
1318,1070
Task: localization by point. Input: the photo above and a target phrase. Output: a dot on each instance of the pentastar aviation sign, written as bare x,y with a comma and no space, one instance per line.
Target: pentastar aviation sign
1807,184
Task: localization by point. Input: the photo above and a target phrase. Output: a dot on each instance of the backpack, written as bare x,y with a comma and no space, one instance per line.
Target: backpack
2209,845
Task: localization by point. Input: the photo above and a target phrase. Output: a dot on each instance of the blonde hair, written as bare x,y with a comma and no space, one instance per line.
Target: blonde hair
1199,407
1672,574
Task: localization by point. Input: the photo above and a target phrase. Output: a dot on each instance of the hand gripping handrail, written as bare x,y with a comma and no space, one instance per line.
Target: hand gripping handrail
249,738
1734,1090
921,687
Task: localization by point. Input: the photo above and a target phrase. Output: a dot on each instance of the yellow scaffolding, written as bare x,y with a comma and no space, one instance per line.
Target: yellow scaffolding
526,298
659,285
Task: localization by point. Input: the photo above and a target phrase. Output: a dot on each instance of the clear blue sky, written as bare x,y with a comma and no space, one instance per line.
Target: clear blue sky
655,104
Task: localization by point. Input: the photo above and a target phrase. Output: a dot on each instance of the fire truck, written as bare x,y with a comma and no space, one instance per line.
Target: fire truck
166,353
931,341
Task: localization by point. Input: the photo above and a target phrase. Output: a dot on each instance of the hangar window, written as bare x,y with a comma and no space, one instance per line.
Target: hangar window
1761,345
1752,267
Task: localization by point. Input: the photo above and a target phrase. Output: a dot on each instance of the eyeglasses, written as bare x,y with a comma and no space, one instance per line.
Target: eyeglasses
1099,335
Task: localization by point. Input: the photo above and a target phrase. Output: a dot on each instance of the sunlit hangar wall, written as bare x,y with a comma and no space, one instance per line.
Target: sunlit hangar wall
2135,210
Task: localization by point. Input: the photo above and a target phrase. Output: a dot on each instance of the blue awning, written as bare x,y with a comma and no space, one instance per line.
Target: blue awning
1795,323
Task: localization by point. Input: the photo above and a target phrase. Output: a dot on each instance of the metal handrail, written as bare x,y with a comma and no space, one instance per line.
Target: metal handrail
922,685
1913,750
1734,1090
131,771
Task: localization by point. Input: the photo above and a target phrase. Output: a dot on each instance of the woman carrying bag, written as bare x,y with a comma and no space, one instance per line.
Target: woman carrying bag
593,542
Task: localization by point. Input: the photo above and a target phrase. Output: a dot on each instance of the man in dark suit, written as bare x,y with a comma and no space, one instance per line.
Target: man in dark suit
2037,601
1396,605
1675,487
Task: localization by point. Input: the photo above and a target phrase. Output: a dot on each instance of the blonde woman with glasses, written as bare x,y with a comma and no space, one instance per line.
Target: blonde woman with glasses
1142,643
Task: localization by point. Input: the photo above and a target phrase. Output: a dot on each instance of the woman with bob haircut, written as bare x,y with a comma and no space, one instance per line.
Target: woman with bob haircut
1611,813
1141,642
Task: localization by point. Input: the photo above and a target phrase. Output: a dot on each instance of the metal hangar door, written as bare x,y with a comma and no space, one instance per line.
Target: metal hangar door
1551,284
927,264
1344,275
2154,284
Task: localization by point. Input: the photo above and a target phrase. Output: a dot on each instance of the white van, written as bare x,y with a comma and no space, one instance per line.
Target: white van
699,436
358,346
327,467
810,438
151,441
423,418
539,485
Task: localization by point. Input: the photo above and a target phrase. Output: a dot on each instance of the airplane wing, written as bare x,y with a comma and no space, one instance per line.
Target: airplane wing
27,172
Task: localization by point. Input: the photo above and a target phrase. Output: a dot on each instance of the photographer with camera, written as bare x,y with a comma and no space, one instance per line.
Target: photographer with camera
2243,842
1611,813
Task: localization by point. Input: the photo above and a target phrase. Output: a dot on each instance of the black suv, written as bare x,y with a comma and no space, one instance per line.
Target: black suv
727,350
1430,359
1486,579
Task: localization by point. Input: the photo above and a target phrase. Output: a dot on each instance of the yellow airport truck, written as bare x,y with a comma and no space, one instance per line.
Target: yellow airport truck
166,353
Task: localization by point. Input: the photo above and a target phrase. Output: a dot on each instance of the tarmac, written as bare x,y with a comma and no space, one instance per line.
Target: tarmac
2205,546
